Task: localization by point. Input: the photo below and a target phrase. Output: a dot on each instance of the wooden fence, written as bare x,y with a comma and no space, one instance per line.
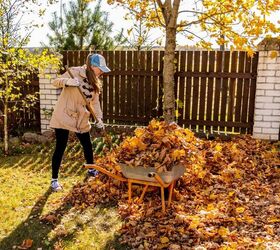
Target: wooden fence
24,118
214,90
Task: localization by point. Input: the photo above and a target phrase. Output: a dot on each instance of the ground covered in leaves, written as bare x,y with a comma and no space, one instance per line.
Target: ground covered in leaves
228,199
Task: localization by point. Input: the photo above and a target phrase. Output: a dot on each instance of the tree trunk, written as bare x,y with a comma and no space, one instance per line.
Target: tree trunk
6,135
168,75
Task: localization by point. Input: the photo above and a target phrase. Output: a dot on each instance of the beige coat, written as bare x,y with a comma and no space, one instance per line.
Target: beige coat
70,110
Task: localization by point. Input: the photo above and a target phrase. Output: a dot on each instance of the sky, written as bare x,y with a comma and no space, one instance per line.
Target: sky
116,15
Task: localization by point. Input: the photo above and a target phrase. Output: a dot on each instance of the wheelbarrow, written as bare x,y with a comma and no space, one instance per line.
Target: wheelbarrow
147,177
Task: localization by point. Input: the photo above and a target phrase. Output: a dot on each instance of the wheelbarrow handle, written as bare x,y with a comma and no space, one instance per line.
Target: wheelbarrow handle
104,171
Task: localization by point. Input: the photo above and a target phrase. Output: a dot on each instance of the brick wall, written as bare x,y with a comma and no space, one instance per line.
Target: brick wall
48,97
267,103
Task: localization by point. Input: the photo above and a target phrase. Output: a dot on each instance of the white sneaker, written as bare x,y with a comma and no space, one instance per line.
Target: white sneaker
55,186
93,172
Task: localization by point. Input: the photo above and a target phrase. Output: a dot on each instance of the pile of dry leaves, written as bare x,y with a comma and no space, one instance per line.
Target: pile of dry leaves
160,145
229,197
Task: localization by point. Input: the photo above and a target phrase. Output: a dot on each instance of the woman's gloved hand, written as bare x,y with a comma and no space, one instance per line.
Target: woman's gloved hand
99,124
72,82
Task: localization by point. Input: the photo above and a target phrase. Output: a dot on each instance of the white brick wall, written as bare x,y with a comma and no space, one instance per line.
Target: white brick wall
48,97
267,103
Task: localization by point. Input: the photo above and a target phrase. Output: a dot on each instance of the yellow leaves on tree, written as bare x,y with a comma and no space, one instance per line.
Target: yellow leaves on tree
219,19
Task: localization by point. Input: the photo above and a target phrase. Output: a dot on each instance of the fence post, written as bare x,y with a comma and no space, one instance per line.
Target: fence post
48,96
267,102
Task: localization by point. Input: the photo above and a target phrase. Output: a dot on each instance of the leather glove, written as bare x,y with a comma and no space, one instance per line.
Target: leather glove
72,82
99,124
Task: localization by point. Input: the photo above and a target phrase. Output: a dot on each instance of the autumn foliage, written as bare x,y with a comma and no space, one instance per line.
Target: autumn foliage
160,145
229,197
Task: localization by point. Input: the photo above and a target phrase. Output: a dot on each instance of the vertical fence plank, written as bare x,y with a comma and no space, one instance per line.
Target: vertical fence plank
188,88
219,64
134,83
117,67
70,58
182,68
202,113
155,84
232,89
76,58
141,86
148,86
224,93
128,84
195,88
210,89
239,87
123,84
111,86
83,56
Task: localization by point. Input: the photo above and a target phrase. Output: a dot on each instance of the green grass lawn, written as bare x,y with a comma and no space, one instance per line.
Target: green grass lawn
25,197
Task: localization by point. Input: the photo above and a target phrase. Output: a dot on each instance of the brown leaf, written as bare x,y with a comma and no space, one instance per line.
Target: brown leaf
50,218
26,244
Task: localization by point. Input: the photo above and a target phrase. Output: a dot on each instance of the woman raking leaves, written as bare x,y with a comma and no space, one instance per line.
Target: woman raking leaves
70,112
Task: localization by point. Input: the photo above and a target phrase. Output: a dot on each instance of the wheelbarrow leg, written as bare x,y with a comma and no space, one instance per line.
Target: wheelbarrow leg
171,188
143,193
129,191
162,199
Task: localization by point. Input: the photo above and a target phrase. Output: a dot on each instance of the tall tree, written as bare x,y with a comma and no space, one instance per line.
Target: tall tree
81,28
216,17
17,63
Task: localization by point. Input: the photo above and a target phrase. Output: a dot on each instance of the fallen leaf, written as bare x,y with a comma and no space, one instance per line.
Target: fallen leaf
26,244
164,240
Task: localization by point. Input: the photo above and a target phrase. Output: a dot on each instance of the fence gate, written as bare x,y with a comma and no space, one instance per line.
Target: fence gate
214,90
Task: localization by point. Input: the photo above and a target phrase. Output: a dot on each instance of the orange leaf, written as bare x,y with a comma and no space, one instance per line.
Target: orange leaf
223,231
164,240
26,244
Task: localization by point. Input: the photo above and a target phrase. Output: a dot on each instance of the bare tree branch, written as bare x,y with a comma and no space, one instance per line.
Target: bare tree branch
190,11
194,35
202,19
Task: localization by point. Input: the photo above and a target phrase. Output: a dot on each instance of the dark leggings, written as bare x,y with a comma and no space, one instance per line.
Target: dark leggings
61,142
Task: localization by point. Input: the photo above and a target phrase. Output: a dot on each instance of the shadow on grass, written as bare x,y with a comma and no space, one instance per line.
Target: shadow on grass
39,160
31,228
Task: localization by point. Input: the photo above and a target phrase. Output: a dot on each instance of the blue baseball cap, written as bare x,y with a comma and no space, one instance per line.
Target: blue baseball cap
98,60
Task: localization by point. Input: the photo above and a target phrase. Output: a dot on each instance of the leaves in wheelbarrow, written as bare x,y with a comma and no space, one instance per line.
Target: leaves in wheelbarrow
160,145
